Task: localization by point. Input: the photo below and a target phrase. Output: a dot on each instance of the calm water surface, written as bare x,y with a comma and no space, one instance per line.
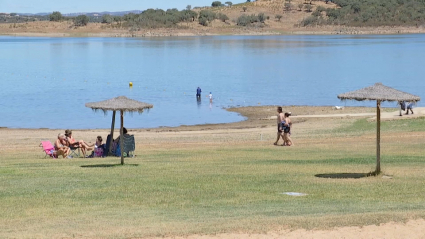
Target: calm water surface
45,82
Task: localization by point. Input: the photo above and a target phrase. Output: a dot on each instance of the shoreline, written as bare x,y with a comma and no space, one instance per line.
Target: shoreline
255,117
210,31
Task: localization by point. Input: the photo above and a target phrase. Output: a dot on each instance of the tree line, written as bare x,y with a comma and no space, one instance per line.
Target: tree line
370,13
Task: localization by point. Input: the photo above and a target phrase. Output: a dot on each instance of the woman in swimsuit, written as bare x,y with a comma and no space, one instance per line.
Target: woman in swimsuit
60,146
287,141
77,144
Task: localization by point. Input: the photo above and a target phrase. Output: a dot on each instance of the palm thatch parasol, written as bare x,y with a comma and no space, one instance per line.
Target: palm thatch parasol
122,104
379,92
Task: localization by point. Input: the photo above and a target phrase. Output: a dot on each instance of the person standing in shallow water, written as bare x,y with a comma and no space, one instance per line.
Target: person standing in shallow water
280,119
198,93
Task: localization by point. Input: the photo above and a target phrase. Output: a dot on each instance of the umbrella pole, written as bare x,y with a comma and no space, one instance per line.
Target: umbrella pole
378,137
112,132
121,138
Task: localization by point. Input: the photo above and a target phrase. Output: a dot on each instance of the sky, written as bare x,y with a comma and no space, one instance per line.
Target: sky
72,6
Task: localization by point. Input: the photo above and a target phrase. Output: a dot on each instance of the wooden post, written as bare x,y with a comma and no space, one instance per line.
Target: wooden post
378,137
122,138
112,133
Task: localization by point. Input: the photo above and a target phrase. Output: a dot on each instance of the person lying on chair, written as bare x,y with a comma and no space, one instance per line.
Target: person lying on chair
77,144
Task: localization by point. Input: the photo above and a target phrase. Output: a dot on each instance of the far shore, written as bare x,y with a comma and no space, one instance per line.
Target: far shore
96,30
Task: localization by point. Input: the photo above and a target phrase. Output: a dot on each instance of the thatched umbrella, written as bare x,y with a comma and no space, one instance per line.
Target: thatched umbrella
122,104
379,92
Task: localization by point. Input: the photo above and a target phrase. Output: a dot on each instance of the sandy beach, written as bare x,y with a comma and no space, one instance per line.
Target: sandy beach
257,129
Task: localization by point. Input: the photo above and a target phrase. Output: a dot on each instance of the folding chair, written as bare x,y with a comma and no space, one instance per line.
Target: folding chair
129,145
48,149
75,152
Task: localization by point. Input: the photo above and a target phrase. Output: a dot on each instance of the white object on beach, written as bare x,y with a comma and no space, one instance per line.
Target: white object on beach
338,107
295,194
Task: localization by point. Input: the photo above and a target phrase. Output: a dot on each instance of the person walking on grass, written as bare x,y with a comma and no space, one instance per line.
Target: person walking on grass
287,141
280,118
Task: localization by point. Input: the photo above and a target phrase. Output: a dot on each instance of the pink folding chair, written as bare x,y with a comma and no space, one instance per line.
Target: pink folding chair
48,149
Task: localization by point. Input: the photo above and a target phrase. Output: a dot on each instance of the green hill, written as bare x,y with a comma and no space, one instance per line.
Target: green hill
370,13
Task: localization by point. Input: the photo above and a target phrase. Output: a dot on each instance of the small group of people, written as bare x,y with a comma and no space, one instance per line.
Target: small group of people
284,125
198,94
406,106
65,142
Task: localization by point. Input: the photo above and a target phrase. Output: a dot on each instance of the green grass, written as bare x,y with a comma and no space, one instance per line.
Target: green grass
362,126
220,189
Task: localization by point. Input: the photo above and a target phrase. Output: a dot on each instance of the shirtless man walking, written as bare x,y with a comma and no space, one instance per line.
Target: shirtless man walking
280,118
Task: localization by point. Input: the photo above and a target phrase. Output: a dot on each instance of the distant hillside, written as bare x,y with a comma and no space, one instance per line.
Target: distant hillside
90,14
261,17
370,13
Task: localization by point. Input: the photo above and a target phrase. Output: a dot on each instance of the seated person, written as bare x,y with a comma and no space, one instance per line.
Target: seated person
99,147
117,140
77,144
60,146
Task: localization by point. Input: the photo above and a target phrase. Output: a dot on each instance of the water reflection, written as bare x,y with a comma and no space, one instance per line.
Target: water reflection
198,101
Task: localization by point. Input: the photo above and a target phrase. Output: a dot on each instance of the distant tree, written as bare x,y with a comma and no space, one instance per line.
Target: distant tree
117,19
107,19
245,20
248,0
278,17
300,6
222,17
55,17
229,4
308,7
356,7
203,21
81,20
287,6
189,7
206,16
244,9
188,15
13,14
326,1
261,17
216,4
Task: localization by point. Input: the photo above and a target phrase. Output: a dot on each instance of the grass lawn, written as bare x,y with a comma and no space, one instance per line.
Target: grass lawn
181,189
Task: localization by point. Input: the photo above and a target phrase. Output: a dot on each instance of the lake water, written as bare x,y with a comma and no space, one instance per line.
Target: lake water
45,82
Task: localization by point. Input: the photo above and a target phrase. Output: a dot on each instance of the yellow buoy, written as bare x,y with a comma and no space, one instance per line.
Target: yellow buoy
130,84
